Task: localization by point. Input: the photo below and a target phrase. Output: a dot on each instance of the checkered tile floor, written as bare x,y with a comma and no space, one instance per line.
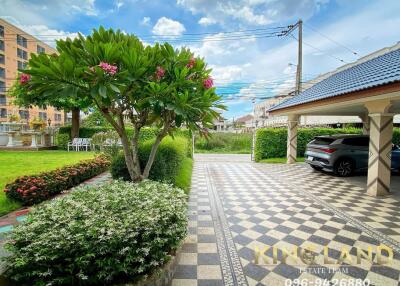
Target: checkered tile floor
380,213
237,207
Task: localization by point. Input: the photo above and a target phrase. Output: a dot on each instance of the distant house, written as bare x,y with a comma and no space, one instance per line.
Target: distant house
263,118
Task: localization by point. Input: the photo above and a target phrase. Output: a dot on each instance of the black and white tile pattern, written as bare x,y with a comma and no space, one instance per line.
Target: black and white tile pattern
237,207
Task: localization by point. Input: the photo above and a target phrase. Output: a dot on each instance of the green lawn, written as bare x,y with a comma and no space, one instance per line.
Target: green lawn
278,160
18,163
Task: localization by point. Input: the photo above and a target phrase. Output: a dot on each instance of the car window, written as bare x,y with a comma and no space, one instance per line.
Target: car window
356,141
323,140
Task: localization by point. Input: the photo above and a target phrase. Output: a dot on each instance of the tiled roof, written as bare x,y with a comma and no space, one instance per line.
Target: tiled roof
378,71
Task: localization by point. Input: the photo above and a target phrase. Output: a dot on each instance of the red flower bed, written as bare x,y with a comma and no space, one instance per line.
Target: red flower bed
37,188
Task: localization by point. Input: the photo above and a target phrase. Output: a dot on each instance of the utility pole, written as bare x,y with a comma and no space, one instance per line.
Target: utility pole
299,56
288,31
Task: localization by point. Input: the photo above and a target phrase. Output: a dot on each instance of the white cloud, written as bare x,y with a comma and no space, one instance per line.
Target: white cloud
168,27
43,32
145,21
253,12
204,21
47,11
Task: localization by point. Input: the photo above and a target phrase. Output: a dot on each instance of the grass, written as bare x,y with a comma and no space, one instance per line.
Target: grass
14,164
278,160
225,143
184,178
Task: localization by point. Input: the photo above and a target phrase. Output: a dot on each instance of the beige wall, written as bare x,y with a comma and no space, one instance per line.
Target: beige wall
11,70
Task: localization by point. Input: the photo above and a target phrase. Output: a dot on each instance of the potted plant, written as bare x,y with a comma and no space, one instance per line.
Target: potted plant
13,118
37,124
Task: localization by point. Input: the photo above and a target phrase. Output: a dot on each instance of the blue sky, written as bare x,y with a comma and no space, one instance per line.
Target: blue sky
249,66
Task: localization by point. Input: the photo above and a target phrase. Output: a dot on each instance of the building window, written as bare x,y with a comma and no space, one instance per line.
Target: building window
3,113
22,54
3,100
21,65
2,31
2,59
57,117
3,72
21,41
2,86
43,115
40,50
24,114
1,45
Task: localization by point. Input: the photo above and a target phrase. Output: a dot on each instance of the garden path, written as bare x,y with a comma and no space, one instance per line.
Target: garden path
237,206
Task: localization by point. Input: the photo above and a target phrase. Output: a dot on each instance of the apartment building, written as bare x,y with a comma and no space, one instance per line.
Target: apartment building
16,46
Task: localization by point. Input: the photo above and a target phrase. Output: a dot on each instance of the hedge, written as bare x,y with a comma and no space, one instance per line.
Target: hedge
107,235
37,188
170,157
64,134
271,142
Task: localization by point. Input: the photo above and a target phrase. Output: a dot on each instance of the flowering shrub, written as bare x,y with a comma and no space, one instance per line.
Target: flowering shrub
34,189
98,236
160,72
208,83
24,78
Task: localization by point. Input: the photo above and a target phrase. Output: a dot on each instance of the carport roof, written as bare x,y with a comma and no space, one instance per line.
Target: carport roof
375,72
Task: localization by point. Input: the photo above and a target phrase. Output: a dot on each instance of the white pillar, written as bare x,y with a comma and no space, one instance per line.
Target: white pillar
293,122
380,148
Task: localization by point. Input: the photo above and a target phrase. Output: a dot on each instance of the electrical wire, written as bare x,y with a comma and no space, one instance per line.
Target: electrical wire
332,40
318,49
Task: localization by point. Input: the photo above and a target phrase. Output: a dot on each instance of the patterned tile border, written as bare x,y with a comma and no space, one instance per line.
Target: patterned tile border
232,269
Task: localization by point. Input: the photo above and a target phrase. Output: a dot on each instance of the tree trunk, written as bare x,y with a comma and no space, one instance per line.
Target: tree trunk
152,155
75,123
131,164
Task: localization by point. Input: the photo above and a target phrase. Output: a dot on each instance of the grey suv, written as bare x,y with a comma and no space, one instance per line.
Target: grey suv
343,154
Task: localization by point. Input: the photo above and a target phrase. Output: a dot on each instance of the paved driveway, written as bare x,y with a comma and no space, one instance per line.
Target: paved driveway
237,207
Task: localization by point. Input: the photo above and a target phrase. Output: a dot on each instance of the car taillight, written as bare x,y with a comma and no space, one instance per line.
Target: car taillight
328,150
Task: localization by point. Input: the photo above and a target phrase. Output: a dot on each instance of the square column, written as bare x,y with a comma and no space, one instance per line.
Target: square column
366,124
380,149
291,155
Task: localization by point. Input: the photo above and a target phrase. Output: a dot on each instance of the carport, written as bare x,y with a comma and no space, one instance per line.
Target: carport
371,90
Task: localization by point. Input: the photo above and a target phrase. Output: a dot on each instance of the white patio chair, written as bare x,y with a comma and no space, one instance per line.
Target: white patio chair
74,144
85,143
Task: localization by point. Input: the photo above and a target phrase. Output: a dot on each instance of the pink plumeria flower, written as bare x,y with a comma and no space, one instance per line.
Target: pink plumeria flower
109,69
208,83
160,72
24,78
191,63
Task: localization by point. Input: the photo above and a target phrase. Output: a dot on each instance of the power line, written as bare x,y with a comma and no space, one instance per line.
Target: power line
332,40
318,49
170,35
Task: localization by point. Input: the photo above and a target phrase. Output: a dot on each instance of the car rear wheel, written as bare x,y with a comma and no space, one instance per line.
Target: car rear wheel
343,168
317,168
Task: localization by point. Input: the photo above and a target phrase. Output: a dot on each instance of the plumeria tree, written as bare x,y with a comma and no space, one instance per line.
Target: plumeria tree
146,85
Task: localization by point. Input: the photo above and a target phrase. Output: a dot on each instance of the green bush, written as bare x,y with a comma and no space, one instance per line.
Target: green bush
62,140
170,157
224,143
271,142
145,133
114,233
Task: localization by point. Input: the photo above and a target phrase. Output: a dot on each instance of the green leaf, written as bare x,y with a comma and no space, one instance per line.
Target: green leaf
114,88
103,91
